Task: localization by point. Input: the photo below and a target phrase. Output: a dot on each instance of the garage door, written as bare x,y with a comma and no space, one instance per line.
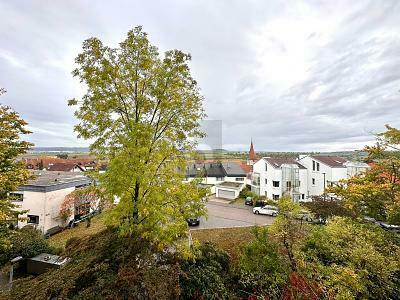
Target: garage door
226,194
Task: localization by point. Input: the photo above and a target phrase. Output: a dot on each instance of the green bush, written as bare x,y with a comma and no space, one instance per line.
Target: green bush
262,270
26,242
206,276
246,192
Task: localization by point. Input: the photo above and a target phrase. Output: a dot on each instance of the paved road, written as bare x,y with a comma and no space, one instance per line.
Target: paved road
227,215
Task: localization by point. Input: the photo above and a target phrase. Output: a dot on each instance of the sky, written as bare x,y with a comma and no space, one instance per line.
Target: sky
290,75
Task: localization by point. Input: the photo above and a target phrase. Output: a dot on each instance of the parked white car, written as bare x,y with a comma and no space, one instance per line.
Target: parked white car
266,210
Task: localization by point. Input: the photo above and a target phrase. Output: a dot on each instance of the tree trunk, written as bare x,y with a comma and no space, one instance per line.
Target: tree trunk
135,213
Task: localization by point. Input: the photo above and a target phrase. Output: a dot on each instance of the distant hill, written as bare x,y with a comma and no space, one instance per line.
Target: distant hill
59,149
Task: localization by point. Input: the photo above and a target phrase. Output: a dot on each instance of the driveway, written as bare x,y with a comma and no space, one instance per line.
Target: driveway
222,215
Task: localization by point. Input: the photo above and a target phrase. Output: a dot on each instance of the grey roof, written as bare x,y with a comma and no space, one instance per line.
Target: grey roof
277,162
331,161
47,181
233,169
206,169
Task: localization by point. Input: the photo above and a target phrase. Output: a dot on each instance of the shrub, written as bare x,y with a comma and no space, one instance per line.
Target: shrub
26,242
205,277
262,269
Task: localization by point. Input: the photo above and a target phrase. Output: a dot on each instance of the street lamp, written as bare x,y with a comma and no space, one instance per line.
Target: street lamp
14,260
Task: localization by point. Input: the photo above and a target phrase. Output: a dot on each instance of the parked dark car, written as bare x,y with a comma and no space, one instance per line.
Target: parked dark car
193,221
248,201
260,203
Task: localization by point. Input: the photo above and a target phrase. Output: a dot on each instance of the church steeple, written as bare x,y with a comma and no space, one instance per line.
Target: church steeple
252,154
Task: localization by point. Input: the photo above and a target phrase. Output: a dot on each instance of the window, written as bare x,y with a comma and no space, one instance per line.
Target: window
239,179
266,194
33,219
313,165
302,196
266,167
317,166
288,184
17,196
220,178
275,183
266,181
313,181
275,197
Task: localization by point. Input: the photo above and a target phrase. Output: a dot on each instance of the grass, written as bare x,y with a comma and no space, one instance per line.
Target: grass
229,239
97,224
237,201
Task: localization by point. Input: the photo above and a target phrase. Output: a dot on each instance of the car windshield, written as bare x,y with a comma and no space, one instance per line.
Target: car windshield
270,207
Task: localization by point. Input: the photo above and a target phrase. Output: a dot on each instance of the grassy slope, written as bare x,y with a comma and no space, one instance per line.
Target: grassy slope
229,239
97,224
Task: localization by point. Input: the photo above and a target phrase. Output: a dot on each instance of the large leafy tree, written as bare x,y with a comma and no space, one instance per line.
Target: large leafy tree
142,112
12,172
353,260
377,192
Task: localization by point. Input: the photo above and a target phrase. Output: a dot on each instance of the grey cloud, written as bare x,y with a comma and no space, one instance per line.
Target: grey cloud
351,65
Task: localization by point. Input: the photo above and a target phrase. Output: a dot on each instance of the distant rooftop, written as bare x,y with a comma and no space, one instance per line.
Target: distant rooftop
46,181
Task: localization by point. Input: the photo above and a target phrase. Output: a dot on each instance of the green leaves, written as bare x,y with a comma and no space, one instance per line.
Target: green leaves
140,110
12,172
377,192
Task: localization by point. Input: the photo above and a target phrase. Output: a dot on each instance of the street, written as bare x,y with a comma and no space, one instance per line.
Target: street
222,215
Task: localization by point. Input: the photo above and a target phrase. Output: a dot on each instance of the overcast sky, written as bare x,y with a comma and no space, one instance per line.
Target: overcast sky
291,75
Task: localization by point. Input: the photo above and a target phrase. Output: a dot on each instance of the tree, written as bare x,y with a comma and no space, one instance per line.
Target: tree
12,172
83,201
353,260
272,264
142,111
377,192
325,208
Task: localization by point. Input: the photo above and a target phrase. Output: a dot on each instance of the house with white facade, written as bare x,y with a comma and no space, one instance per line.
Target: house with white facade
325,171
275,177
214,174
42,197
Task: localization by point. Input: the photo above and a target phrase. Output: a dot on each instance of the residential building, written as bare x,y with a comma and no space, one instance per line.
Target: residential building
42,197
279,176
66,167
324,171
214,173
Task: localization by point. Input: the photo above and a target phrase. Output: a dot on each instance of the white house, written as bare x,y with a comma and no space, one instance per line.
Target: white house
280,176
324,171
215,173
355,168
42,197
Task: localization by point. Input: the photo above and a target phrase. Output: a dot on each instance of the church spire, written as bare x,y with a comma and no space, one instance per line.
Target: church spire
252,154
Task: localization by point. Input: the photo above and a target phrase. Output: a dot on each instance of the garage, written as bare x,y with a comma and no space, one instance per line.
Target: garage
228,190
226,194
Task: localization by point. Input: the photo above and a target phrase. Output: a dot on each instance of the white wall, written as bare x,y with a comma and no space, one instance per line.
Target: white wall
45,205
331,175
